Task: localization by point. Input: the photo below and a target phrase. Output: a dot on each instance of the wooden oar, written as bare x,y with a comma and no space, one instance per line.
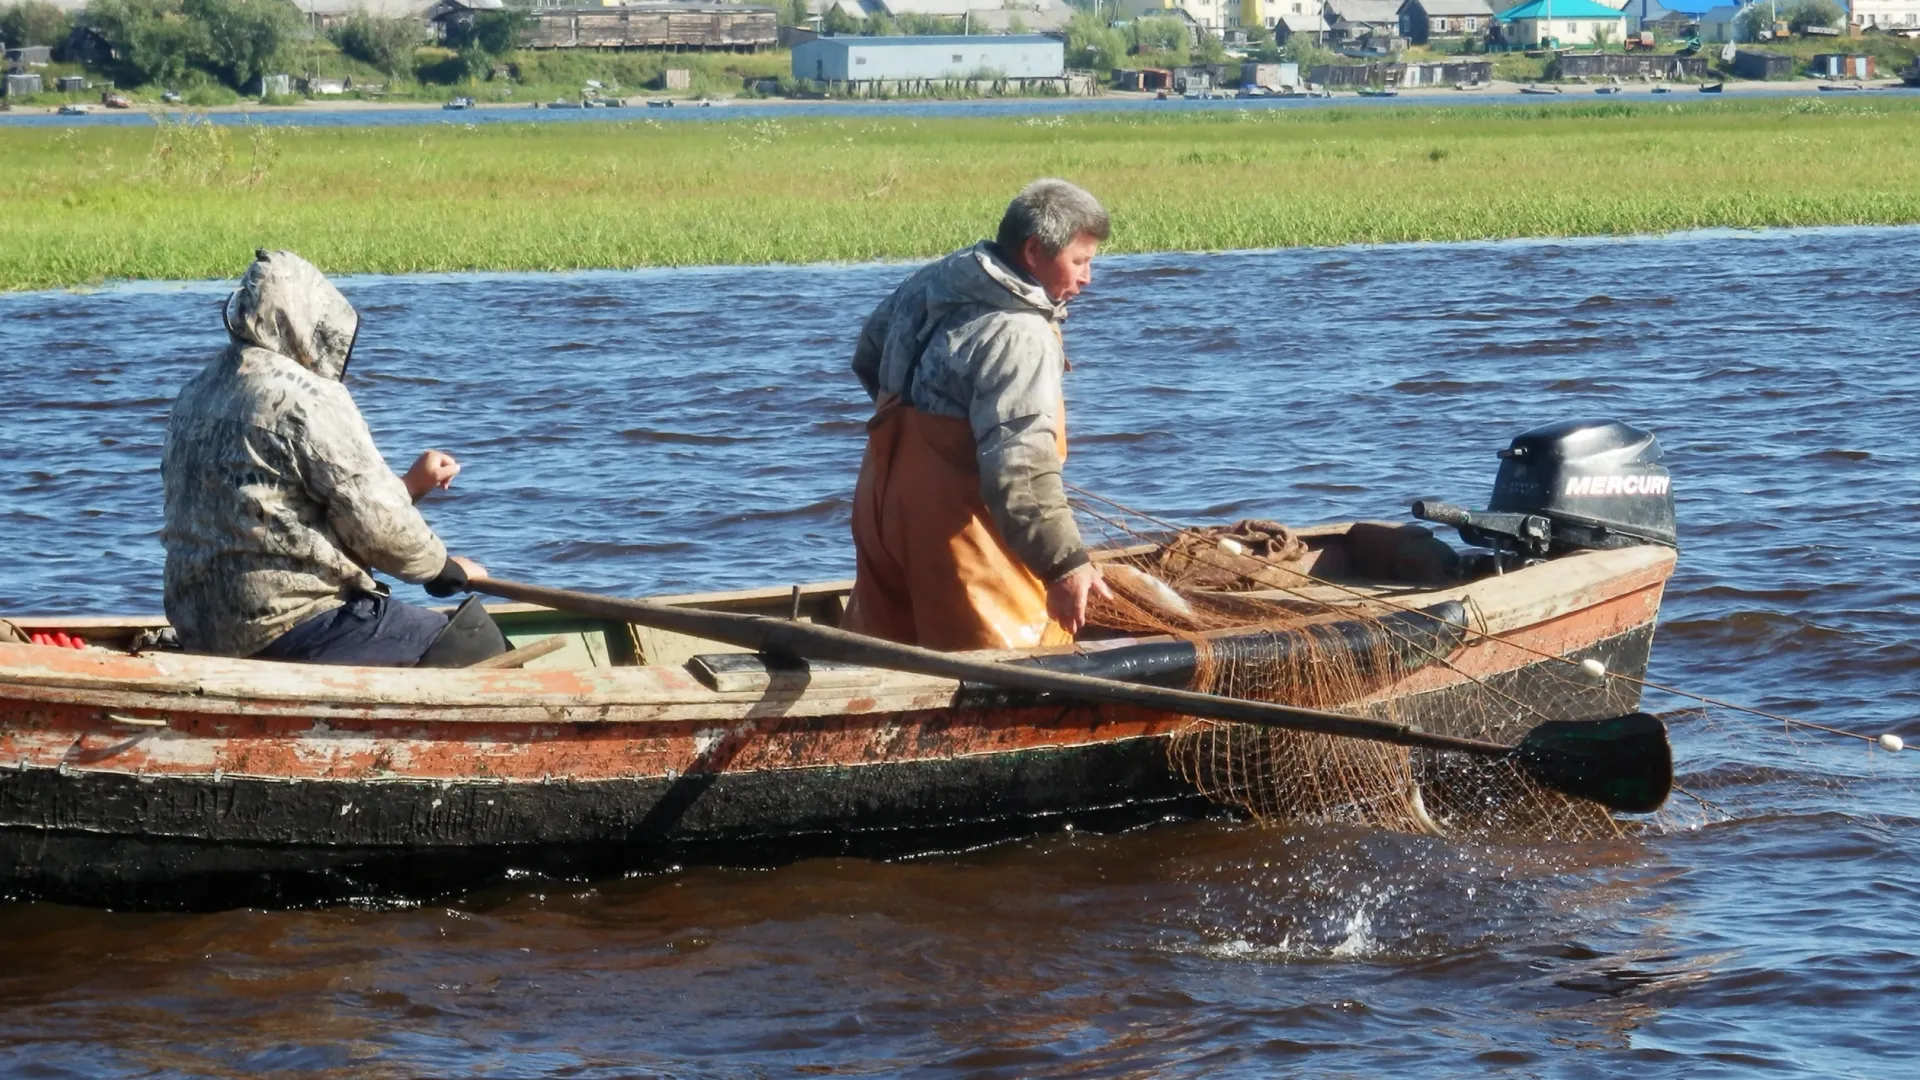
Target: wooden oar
1622,763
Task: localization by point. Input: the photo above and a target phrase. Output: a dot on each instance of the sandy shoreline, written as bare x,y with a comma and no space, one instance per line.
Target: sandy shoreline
1425,94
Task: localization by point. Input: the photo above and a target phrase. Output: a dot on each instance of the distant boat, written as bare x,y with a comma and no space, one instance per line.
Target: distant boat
1383,91
1835,87
660,103
72,109
1539,89
116,101
1606,89
1712,88
563,103
459,103
1663,89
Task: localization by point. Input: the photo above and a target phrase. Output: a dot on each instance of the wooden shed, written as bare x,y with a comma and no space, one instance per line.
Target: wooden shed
1753,64
1842,66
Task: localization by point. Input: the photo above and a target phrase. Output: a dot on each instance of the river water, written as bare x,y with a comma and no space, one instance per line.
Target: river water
673,430
748,109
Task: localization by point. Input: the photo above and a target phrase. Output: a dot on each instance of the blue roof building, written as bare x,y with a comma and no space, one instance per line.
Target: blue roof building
1563,22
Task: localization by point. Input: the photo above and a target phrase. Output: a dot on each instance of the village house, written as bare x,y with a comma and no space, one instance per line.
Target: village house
1306,18
1537,23
1209,15
1350,22
1884,14
1668,19
648,25
1259,13
326,14
1721,23
1423,21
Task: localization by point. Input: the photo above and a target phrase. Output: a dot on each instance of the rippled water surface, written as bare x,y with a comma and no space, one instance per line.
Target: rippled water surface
674,430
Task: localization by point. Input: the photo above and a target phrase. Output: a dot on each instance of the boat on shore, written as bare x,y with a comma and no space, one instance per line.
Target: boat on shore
1713,88
458,104
1532,89
134,775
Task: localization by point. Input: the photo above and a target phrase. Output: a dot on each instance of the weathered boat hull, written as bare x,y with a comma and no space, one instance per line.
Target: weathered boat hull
174,781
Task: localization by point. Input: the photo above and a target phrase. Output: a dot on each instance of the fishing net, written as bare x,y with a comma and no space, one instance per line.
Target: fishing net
1271,620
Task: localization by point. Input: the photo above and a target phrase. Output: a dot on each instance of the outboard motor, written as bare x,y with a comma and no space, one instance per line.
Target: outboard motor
1579,485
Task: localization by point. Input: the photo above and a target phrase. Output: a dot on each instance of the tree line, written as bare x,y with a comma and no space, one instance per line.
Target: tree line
171,42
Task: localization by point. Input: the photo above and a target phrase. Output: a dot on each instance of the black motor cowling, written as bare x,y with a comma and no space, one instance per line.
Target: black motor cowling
1579,485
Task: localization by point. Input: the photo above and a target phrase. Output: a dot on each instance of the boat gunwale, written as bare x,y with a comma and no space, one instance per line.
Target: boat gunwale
199,687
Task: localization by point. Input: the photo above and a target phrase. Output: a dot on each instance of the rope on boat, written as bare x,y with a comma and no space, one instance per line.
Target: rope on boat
1890,742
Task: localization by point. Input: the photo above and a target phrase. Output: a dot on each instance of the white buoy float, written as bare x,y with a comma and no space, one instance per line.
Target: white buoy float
1892,743
1594,667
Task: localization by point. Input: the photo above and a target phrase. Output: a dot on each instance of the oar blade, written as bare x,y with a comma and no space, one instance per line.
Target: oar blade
1623,763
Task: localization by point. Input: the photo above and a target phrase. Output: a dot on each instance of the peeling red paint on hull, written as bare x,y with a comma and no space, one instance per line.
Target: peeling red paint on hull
170,751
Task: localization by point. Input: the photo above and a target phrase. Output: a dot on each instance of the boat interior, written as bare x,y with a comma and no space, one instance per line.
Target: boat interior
1355,560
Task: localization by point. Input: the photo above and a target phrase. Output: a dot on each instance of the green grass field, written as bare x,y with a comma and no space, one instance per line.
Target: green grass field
85,205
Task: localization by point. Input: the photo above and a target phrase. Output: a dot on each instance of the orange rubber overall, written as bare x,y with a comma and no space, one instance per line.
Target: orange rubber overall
933,568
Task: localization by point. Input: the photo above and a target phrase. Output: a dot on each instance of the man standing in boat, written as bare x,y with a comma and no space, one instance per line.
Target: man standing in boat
279,505
961,528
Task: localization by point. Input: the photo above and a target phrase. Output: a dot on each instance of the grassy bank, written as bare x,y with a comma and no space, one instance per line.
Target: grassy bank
84,205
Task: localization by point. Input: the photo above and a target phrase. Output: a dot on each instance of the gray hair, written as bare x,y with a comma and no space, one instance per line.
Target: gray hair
1054,212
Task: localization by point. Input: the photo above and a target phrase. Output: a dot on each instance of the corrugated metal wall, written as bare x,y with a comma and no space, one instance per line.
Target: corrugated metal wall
910,59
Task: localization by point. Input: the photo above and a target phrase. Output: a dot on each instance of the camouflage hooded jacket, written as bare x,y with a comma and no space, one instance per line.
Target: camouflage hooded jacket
277,501
970,337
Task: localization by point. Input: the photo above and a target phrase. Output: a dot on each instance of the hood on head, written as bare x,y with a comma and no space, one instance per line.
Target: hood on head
286,306
981,275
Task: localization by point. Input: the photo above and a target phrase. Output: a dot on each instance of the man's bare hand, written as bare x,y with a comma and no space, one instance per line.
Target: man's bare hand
473,570
434,470
1067,598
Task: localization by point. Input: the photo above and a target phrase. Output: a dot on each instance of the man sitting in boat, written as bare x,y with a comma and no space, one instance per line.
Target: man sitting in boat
279,505
961,528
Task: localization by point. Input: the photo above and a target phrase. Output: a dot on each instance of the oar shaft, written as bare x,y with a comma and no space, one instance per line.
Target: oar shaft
784,637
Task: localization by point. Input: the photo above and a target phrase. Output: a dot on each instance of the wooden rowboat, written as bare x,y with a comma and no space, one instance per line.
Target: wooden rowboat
158,778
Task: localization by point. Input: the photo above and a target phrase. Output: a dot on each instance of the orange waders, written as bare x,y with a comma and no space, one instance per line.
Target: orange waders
933,569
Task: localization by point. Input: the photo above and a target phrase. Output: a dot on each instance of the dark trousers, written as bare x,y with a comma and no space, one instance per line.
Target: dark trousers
369,630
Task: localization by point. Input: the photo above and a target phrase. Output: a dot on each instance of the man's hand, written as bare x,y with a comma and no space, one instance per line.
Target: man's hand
474,570
1067,598
433,470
